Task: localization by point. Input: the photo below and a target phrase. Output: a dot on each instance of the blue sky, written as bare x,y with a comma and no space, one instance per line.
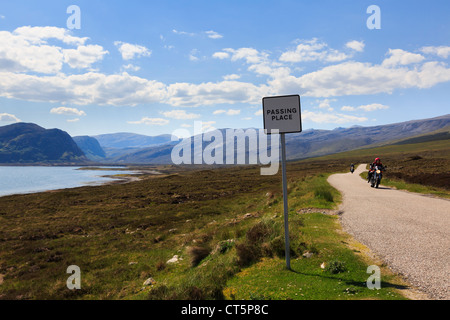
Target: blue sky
152,67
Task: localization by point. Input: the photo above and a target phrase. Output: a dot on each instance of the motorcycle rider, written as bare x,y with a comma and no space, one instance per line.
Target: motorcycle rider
352,168
373,166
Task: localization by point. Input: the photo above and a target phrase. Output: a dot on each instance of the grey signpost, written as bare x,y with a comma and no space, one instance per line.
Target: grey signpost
282,114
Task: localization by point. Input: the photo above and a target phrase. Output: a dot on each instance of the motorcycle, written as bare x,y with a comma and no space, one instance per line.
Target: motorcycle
352,169
376,176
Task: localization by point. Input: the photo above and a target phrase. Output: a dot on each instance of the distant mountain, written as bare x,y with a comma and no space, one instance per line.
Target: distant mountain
314,143
30,143
90,147
131,140
310,143
152,155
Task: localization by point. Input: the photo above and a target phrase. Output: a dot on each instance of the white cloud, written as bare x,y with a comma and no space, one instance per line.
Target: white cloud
441,51
233,112
131,67
180,115
373,107
26,50
31,69
401,57
337,118
83,89
348,108
192,55
18,54
367,108
131,51
221,55
326,104
208,126
151,121
313,50
73,120
231,77
250,55
356,45
39,35
357,78
84,56
183,33
68,111
229,112
259,62
204,94
213,35
7,117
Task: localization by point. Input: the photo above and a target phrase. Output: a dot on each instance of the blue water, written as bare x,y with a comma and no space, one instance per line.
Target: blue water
19,180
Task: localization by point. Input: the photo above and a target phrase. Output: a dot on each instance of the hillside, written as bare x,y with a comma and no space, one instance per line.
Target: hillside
30,143
90,147
130,140
314,143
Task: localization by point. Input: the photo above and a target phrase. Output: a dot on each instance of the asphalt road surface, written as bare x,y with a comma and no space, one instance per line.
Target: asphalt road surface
408,231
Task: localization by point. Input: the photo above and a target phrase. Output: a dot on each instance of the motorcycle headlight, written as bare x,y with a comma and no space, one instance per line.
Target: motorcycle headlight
378,171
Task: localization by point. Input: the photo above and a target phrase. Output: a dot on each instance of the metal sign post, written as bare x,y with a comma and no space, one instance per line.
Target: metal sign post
287,246
283,115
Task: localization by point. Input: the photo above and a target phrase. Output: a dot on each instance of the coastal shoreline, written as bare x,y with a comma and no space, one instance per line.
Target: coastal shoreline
129,177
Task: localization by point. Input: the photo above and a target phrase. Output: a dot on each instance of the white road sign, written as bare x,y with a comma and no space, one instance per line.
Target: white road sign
282,113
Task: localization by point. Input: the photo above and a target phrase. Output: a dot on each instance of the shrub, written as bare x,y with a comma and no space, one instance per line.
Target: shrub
195,293
224,246
247,254
198,254
160,265
277,246
258,233
159,292
336,267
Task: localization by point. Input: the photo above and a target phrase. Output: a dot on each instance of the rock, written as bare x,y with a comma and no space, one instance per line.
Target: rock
323,265
307,254
132,263
174,259
149,282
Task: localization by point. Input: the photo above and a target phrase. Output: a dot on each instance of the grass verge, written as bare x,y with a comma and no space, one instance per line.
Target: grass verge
412,187
327,264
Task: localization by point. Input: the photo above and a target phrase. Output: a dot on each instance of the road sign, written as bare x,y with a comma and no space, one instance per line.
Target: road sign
282,113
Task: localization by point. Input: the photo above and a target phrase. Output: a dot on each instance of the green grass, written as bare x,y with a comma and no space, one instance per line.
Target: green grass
412,187
314,192
270,280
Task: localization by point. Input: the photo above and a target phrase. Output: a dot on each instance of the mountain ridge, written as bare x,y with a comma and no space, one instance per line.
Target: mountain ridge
29,143
314,142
